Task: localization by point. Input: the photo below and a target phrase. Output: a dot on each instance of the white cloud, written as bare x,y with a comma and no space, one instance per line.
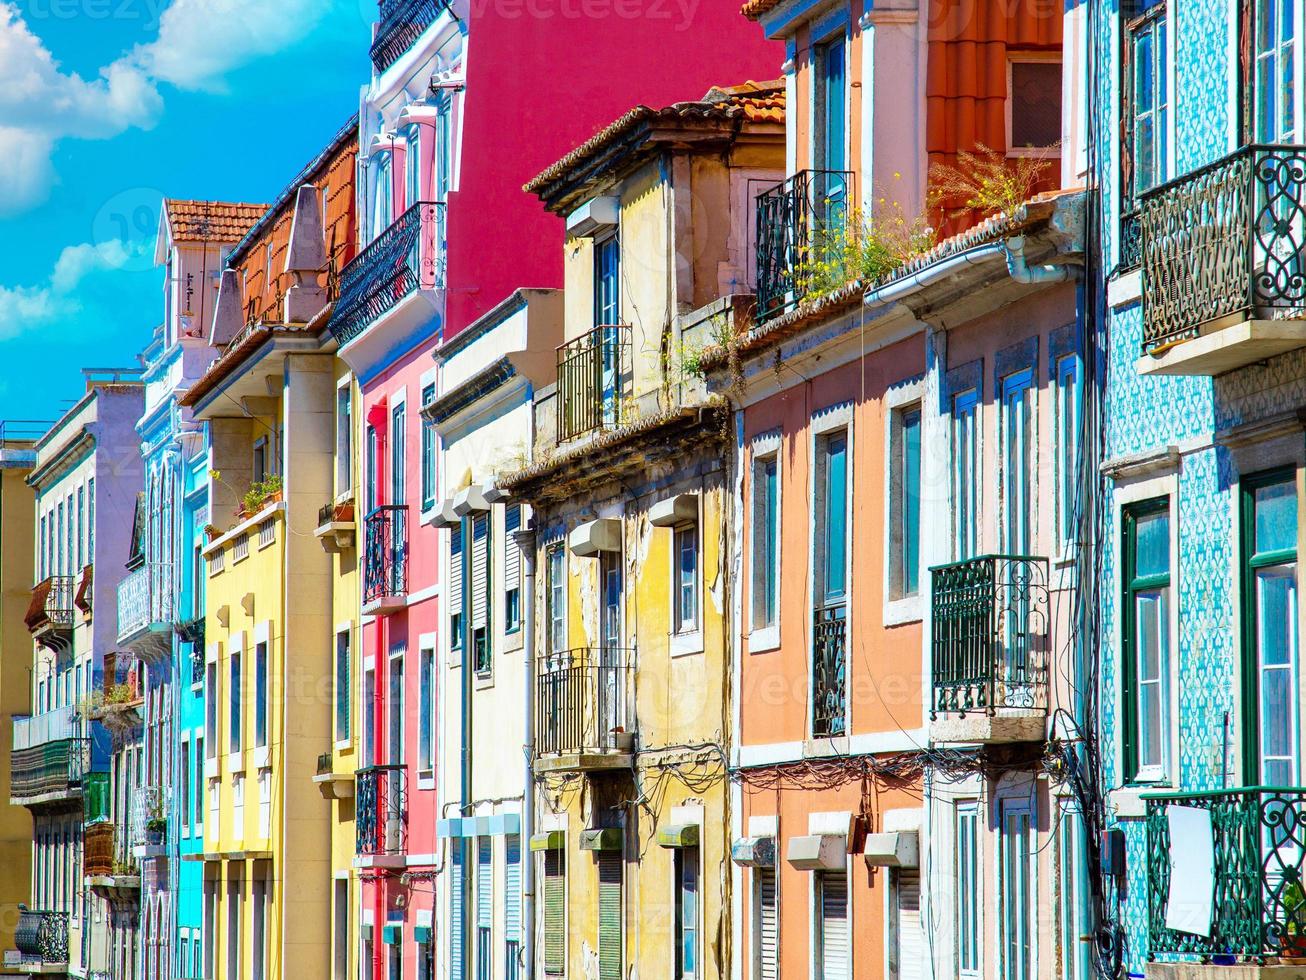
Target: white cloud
26,307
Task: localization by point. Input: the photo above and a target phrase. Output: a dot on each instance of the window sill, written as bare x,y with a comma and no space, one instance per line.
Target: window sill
686,644
425,781
1125,290
1127,802
345,746
262,757
764,640
236,763
908,609
484,680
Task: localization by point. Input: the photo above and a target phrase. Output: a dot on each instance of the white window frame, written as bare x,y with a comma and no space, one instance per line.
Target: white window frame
687,636
1027,58
900,609
765,448
971,808
1067,414
1016,805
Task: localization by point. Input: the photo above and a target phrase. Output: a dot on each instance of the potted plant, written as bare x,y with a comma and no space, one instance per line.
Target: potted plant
155,828
260,494
623,741
1292,947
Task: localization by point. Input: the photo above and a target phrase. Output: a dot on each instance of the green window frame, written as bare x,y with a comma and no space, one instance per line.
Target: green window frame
1270,672
610,869
1146,641
555,913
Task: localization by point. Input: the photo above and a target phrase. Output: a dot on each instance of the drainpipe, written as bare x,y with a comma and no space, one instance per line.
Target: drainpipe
464,809
1019,269
526,542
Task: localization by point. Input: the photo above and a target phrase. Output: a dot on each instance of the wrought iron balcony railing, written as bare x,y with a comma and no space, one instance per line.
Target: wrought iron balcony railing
990,628
593,381
793,218
51,607
385,556
406,257
1130,253
42,937
381,810
149,815
584,703
830,672
401,24
145,601
1257,905
49,770
98,847
1227,239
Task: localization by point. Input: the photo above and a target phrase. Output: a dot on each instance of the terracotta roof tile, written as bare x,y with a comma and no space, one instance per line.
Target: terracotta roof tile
754,9
214,221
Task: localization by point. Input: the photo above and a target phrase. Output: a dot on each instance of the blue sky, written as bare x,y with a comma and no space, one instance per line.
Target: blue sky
106,106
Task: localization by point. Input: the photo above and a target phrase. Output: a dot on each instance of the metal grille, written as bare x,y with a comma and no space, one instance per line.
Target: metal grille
55,767
145,598
582,700
42,937
1228,239
381,812
829,672
407,256
385,560
1258,906
267,532
401,24
240,549
1131,241
990,630
593,376
790,219
52,604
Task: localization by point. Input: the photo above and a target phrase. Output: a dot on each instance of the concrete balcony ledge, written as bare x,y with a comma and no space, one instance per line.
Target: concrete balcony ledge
1005,726
1209,971
385,605
584,762
335,785
1225,345
364,861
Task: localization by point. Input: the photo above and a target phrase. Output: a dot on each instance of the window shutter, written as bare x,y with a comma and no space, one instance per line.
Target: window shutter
455,571
484,883
834,927
511,553
610,867
456,910
480,568
512,888
911,946
555,914
768,926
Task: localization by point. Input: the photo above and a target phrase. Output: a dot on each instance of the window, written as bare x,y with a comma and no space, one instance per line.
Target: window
556,565
425,746
370,754
832,940
340,930
1075,953
1016,872
555,913
81,527
611,915
90,521
383,205
413,165
235,903
372,473
344,438
831,518
1271,756
344,686
686,584
259,889
1035,104
199,784
511,569
686,913
456,576
184,783
1016,421
260,462
42,565
766,926
458,858
512,910
395,710
1276,92
428,454
234,693
766,541
443,163
211,706
1146,636
1067,458
60,556
482,644
607,282
210,925
831,104
905,489
969,891
1148,50
909,940
966,462
398,487
484,908
260,694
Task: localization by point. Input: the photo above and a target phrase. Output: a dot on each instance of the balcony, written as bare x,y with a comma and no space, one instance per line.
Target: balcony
989,619
381,814
406,260
49,760
830,672
41,939
335,527
1224,263
50,613
1251,842
584,711
791,219
118,701
593,381
97,843
149,821
146,612
385,560
108,871
331,784
401,24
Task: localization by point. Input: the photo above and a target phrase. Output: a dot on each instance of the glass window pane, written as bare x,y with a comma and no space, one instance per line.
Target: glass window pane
911,501
1152,545
1276,517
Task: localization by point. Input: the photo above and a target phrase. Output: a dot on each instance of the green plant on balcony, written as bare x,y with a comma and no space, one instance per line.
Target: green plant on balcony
261,492
860,249
1293,901
125,869
118,694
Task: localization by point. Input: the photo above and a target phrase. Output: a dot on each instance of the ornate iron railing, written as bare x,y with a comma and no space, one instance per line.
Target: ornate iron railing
41,936
1258,905
51,607
381,811
98,845
1130,253
593,381
830,672
385,558
407,256
401,24
583,701
49,768
989,619
145,598
149,815
792,218
1227,239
